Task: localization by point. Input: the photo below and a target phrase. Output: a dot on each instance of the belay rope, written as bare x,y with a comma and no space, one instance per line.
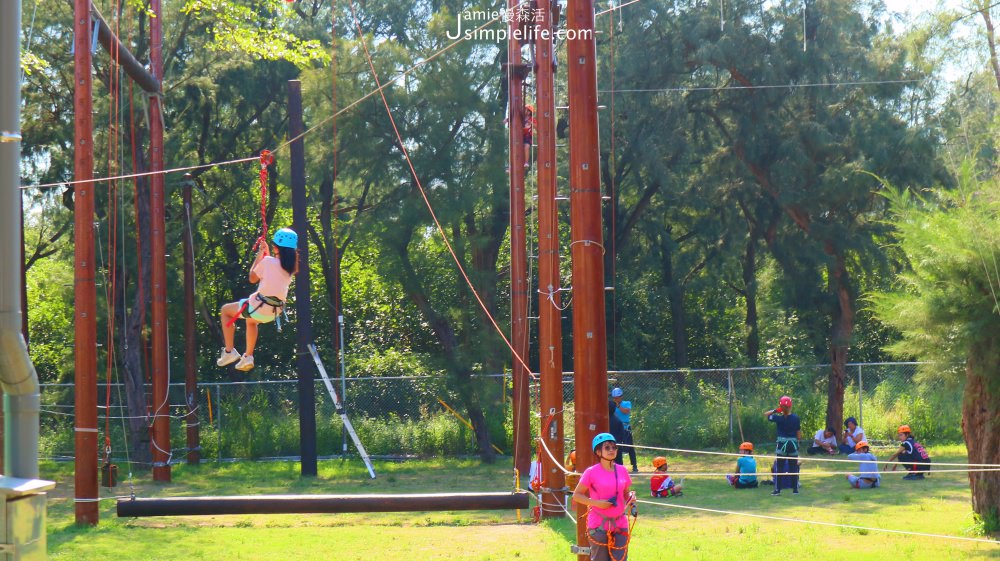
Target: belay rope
266,159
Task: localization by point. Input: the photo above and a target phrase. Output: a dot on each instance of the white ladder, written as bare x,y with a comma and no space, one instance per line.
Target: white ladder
340,409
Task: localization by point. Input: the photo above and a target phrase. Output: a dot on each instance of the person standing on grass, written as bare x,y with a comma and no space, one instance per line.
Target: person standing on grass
623,410
869,477
605,488
615,427
824,442
853,434
789,429
911,454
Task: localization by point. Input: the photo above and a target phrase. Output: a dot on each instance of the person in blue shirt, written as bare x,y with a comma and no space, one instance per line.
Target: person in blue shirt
869,477
746,469
789,428
623,412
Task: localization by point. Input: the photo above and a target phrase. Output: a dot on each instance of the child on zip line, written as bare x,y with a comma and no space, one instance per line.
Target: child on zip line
273,275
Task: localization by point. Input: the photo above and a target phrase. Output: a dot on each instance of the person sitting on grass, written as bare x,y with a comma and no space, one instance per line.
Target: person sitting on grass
853,434
605,488
274,275
868,478
911,454
746,469
661,484
824,442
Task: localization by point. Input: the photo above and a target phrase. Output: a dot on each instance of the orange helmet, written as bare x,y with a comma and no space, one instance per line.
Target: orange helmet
659,461
572,456
747,446
903,428
860,445
530,107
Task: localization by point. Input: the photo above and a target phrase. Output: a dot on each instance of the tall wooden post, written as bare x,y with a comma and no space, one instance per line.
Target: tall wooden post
85,288
549,301
190,337
516,71
160,441
589,344
303,310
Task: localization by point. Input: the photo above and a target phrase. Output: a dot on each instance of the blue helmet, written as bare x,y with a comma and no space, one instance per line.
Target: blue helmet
601,439
286,237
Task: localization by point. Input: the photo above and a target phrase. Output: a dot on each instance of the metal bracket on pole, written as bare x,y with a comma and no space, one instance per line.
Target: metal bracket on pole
579,549
340,409
7,549
7,136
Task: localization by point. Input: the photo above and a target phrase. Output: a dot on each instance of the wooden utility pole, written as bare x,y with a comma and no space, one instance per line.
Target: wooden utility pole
160,441
190,337
549,283
85,288
587,247
303,311
516,71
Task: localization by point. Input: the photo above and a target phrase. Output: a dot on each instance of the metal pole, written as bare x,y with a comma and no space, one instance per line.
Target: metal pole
218,415
160,361
343,376
190,342
303,308
589,336
729,382
85,304
18,379
549,285
861,393
516,71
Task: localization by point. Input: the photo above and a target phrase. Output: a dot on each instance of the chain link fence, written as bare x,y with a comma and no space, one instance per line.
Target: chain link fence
418,416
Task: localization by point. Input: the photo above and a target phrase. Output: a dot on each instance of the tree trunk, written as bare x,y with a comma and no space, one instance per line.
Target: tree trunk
675,291
750,293
448,340
984,10
980,416
130,329
842,329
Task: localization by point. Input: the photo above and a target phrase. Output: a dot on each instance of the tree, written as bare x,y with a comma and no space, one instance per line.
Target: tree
947,310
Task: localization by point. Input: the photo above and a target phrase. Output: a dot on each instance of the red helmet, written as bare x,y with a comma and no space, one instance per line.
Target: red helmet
785,401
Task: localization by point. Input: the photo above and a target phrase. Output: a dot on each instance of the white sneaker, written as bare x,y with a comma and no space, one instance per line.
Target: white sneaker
245,364
228,357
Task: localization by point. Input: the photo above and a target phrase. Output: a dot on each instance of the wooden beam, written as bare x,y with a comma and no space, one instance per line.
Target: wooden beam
310,504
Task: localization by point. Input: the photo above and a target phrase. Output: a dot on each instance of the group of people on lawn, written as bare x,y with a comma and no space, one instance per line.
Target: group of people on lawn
605,487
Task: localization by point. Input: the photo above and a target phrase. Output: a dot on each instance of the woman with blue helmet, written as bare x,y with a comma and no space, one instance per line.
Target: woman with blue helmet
274,275
605,488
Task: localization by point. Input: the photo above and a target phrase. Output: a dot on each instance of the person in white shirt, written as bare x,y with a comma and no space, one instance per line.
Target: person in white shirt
853,434
824,442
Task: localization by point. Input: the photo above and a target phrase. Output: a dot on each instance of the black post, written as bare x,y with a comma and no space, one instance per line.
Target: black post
303,312
190,342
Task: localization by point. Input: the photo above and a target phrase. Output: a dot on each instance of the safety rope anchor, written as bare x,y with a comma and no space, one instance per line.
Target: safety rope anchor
580,549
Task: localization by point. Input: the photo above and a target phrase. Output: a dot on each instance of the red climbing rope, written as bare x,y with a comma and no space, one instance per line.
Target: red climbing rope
266,159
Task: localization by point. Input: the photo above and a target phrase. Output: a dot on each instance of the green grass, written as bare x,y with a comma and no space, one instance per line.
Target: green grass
937,505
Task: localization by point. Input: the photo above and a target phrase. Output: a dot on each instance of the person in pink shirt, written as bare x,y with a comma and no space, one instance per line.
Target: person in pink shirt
274,275
606,488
